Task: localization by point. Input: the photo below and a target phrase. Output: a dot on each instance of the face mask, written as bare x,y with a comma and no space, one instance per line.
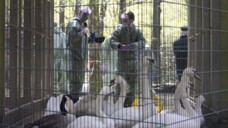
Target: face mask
84,17
124,24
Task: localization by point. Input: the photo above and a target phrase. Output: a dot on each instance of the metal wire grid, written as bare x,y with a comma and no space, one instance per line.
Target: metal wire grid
166,52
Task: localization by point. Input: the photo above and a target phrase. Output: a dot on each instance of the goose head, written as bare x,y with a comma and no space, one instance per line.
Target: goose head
191,72
201,99
66,104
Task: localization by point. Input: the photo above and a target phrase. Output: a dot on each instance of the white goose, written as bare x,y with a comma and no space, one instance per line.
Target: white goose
198,109
128,117
174,120
181,87
53,105
85,105
110,107
101,121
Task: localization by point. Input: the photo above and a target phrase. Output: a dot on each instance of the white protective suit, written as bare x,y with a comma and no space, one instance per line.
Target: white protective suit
59,60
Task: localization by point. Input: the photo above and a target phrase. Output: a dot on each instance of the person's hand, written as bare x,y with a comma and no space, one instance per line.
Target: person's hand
126,47
103,68
84,31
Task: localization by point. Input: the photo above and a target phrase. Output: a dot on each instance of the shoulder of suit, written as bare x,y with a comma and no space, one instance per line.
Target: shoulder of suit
118,27
75,18
137,28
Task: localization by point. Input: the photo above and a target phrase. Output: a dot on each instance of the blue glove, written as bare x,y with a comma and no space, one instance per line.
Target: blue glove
103,68
92,36
126,47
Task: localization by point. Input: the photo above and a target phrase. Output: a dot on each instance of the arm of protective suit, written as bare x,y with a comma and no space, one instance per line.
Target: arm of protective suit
140,44
114,40
73,31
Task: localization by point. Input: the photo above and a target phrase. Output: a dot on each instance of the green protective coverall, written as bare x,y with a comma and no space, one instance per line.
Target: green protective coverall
78,46
127,59
60,81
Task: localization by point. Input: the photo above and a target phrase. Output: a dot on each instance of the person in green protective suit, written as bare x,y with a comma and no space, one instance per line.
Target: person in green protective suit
59,60
77,43
128,39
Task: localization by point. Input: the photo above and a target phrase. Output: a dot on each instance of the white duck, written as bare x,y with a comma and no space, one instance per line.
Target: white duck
128,117
108,106
101,121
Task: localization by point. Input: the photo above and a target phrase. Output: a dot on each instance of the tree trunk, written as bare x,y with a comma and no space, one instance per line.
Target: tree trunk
122,8
62,14
77,6
156,39
102,15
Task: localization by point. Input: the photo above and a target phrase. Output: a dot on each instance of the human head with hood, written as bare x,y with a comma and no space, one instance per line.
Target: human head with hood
84,13
127,19
184,31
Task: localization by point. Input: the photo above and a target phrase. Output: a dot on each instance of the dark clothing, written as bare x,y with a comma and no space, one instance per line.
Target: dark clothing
180,48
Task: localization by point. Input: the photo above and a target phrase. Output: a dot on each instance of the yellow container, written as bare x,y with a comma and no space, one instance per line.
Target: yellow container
157,101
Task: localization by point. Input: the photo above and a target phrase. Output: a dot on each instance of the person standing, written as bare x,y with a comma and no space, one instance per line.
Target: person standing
59,60
77,43
180,48
128,39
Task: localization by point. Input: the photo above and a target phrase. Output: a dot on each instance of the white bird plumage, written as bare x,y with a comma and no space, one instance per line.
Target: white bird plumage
101,121
85,105
198,109
128,117
181,87
53,105
174,120
108,106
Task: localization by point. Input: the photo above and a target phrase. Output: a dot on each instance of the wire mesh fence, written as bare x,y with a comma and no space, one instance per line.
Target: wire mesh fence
61,72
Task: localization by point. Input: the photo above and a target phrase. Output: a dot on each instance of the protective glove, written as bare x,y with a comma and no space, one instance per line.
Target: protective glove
92,36
84,31
126,47
103,68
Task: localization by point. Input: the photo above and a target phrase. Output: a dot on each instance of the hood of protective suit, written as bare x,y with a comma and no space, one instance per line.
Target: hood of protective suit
58,30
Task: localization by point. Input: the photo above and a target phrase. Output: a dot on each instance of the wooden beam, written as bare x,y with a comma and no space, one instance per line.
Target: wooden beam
2,40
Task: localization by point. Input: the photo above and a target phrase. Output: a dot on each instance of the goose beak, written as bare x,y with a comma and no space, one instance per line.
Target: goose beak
112,82
197,76
151,60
